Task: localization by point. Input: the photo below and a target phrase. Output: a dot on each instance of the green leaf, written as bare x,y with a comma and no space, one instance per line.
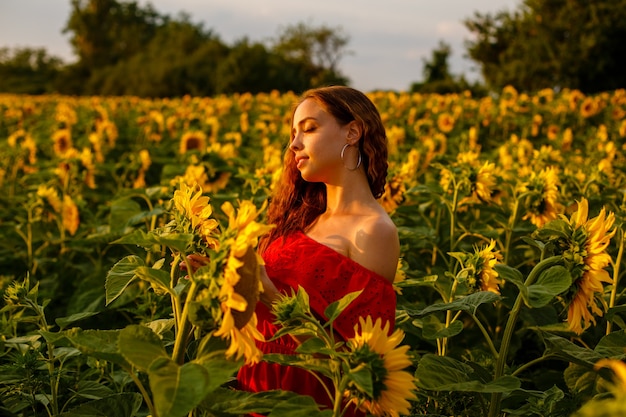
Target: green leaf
362,378
121,211
125,404
570,352
158,279
120,276
311,346
469,303
100,344
137,237
442,373
140,346
514,276
284,403
93,390
177,389
612,345
334,309
550,283
64,322
432,328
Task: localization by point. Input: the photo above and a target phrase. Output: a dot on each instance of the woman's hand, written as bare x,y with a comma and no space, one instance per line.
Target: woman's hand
195,261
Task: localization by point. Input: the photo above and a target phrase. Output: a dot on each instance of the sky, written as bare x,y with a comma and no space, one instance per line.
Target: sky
388,39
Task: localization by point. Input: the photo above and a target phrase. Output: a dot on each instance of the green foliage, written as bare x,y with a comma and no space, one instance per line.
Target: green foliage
552,44
28,71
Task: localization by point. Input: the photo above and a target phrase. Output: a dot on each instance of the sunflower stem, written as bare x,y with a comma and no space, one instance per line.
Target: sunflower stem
184,325
444,343
494,406
616,267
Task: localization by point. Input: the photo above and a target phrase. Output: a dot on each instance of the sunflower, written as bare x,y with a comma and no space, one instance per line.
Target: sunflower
478,268
62,139
619,370
589,107
588,258
195,207
445,122
238,297
239,292
193,140
71,218
543,192
50,195
585,254
391,386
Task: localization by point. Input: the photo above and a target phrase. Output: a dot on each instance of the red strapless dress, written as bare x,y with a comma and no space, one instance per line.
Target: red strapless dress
326,275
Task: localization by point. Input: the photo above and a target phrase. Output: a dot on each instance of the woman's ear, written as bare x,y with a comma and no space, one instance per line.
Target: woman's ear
354,132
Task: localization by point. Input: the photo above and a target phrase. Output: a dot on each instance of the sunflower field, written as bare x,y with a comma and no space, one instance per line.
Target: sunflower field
510,210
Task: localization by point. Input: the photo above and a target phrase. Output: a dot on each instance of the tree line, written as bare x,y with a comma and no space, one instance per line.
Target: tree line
123,48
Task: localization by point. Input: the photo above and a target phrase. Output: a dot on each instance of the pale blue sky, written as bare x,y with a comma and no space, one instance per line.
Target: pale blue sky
389,39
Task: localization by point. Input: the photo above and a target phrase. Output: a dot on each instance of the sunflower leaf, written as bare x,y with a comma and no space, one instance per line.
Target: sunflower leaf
140,346
120,276
177,389
442,373
124,404
435,329
334,309
550,283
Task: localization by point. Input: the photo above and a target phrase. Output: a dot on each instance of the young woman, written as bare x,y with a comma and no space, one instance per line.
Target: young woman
332,237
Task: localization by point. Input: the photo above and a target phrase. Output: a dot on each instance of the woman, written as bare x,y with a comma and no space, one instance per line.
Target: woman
331,235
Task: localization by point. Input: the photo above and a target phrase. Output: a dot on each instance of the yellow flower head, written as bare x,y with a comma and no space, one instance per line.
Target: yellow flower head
541,202
238,297
195,207
71,219
588,256
478,268
619,370
376,351
50,195
193,140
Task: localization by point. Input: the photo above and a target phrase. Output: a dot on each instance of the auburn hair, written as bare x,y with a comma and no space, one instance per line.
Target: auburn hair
296,203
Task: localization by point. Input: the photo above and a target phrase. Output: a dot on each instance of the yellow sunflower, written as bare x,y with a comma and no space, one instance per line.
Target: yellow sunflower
542,201
619,370
50,195
587,252
195,207
62,139
478,270
239,292
71,218
392,387
445,122
193,140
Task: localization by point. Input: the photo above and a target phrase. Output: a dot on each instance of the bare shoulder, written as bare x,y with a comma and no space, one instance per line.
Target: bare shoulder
376,245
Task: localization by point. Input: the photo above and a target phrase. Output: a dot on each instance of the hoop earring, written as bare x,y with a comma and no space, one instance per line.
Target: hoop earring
358,164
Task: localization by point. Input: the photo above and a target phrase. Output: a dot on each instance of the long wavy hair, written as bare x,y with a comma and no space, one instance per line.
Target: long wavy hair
296,203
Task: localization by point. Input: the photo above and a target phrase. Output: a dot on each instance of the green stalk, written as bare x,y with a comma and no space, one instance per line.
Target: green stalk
616,267
184,326
494,406
444,344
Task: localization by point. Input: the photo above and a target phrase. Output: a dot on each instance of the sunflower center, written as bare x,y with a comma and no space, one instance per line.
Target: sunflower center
247,287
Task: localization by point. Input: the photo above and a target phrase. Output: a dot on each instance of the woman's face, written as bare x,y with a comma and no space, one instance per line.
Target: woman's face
317,142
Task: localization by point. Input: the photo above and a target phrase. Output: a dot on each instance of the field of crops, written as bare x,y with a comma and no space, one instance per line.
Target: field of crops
510,210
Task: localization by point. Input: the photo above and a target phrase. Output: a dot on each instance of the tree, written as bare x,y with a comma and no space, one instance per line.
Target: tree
437,76
28,71
552,44
317,50
105,32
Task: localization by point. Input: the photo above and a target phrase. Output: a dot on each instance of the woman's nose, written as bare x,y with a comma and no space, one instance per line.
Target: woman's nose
296,143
